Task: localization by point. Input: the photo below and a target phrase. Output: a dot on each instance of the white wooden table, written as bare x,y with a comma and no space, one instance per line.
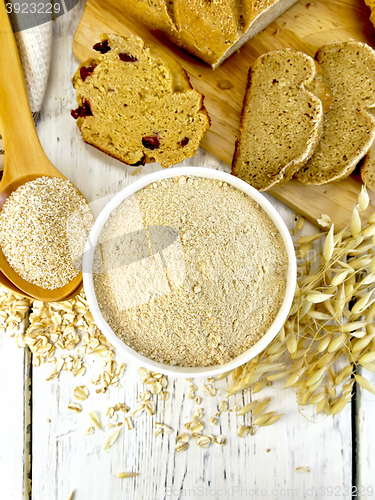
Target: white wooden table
339,452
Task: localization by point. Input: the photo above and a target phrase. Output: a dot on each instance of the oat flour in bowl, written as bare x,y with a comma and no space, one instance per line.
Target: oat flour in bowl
190,271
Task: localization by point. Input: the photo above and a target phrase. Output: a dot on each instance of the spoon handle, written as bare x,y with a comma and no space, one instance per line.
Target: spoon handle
21,143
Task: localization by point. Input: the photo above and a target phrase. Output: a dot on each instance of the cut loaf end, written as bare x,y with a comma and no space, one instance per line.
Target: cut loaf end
263,13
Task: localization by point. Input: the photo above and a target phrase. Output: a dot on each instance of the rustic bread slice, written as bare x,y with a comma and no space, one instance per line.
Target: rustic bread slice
281,121
368,168
137,105
349,129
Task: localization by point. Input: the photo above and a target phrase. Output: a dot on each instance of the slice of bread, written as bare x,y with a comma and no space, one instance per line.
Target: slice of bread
137,105
368,168
281,121
349,129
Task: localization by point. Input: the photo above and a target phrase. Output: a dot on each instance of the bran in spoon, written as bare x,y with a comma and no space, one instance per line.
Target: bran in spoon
43,230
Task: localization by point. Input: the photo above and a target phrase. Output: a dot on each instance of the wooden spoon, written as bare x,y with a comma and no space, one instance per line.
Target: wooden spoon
9,285
25,159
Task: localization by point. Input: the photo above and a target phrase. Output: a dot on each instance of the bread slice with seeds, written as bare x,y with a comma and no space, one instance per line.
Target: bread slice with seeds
137,105
281,120
349,129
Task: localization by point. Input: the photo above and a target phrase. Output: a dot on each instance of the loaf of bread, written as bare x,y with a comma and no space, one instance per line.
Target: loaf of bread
211,30
348,70
136,104
281,121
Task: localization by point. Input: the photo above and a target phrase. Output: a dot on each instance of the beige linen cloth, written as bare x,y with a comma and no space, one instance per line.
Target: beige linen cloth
34,46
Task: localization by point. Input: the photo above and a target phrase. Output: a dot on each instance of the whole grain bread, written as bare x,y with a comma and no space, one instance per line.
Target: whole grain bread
348,70
281,121
211,30
368,168
137,105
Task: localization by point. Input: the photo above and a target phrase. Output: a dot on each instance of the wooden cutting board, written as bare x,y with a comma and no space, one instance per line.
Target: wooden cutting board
306,27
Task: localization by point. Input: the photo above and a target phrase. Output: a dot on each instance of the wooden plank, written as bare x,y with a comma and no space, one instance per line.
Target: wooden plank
365,439
306,26
64,458
14,420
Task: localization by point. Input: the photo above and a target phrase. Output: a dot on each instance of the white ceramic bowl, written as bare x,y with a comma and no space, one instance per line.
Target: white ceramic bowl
180,371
